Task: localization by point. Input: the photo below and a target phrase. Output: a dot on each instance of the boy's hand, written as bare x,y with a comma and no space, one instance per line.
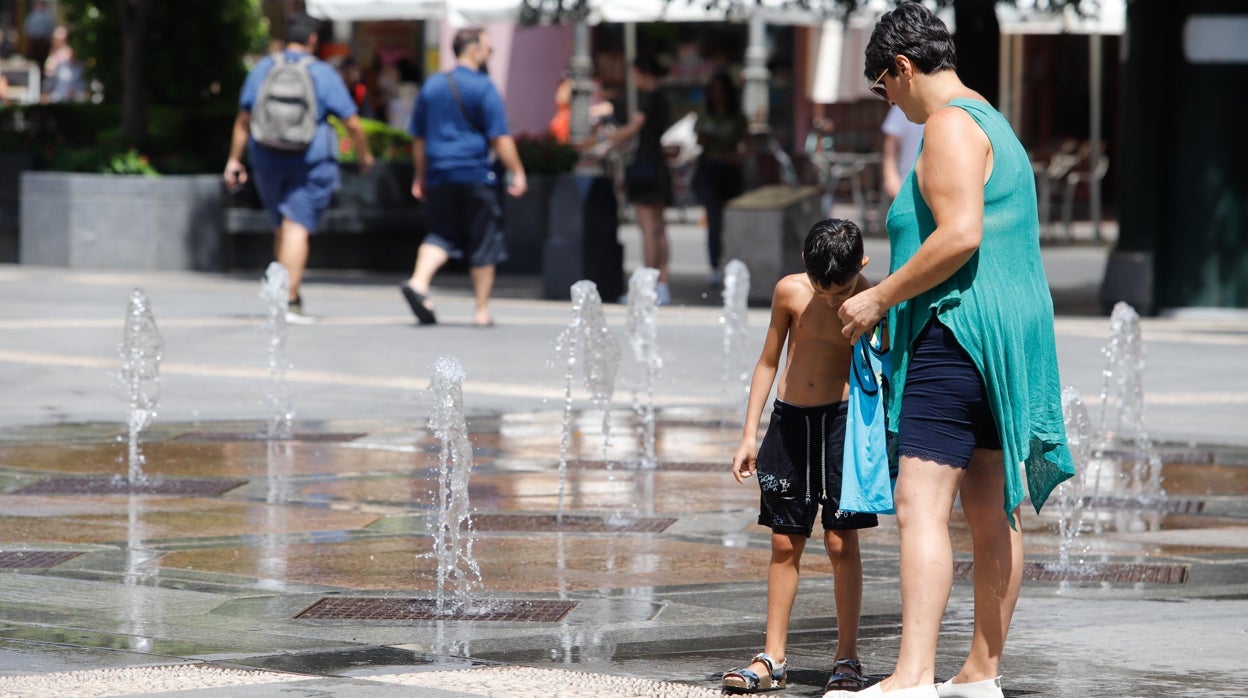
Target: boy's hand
743,462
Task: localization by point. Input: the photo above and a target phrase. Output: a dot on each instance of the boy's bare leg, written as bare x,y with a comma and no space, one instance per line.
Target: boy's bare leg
846,557
782,574
998,551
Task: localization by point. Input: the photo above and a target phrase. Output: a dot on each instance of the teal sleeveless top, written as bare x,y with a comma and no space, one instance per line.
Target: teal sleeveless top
999,308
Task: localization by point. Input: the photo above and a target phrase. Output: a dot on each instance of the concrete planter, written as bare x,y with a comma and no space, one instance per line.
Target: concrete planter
71,219
11,168
582,240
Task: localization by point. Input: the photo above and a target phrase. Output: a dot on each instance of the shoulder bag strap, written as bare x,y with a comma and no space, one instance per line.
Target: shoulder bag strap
450,81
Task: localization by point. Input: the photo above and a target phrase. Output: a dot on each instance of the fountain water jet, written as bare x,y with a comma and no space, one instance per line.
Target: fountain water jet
587,341
735,377
453,534
141,350
643,329
1124,440
1072,500
275,292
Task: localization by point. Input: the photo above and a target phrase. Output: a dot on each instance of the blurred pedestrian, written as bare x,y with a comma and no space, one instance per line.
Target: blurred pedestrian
458,118
62,72
293,150
37,30
901,146
724,136
647,180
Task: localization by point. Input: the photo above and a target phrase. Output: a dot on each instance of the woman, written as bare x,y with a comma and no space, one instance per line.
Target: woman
975,388
724,135
647,181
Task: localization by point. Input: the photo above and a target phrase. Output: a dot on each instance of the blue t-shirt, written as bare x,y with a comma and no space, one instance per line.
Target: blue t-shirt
332,97
456,151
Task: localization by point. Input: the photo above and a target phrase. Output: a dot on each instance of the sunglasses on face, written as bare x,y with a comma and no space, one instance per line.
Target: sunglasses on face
877,88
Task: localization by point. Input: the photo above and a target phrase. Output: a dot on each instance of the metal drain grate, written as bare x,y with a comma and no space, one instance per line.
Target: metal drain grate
1165,506
119,485
256,436
577,524
679,466
367,608
1115,572
34,559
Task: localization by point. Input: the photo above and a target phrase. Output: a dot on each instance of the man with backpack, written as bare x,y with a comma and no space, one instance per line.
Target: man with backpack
293,150
458,119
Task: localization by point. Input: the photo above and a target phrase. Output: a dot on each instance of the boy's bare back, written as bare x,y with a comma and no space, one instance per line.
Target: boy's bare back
816,370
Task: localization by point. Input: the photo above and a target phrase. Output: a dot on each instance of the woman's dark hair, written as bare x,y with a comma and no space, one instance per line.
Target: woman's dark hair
647,64
732,101
832,253
915,32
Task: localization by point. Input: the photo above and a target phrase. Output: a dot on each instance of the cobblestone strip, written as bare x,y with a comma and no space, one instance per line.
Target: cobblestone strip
135,681
529,682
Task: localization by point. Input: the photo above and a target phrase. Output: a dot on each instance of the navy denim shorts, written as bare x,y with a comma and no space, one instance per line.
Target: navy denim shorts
466,220
297,194
945,413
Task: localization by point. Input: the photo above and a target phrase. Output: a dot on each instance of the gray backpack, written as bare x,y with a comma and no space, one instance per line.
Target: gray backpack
284,115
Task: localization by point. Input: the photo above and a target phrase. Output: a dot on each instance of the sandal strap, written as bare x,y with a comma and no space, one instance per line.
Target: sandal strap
751,679
771,664
846,671
853,664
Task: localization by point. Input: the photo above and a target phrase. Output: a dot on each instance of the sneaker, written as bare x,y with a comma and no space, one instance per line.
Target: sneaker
663,295
988,688
295,315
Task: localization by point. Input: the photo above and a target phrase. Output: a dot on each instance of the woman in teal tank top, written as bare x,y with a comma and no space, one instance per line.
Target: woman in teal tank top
974,355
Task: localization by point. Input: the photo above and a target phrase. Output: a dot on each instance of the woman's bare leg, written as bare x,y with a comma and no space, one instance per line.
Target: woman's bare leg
998,553
924,497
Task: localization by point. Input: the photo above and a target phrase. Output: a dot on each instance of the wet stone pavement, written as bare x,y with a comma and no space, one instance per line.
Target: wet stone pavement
306,567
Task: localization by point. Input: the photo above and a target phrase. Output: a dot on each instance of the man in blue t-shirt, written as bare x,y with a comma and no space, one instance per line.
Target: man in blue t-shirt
296,186
457,119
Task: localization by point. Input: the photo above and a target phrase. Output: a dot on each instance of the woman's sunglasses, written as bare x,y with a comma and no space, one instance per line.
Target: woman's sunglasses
877,88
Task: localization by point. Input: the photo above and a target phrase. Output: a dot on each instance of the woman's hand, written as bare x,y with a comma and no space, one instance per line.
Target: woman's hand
861,312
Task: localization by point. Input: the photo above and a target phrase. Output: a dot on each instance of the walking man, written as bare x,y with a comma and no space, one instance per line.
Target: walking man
282,114
457,119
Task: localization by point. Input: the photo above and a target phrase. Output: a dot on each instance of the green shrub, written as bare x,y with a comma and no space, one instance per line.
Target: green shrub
384,141
545,155
86,137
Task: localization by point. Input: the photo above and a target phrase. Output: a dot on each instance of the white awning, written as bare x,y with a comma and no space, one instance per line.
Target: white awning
366,10
460,12
1109,18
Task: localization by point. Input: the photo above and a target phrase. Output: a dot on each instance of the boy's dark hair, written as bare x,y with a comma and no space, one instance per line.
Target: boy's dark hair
464,38
915,32
300,27
832,252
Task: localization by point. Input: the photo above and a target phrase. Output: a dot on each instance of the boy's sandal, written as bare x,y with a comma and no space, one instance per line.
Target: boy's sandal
746,680
846,676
